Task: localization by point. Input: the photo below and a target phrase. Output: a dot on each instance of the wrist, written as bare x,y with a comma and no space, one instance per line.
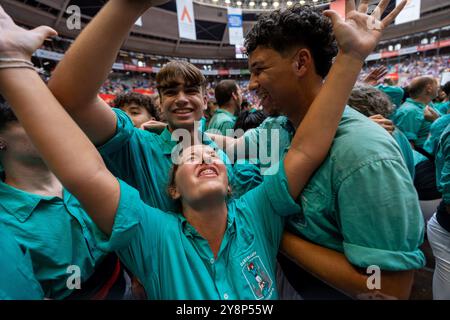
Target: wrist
349,60
15,55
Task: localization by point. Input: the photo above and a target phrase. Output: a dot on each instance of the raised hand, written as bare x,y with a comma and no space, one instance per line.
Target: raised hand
360,33
376,75
18,43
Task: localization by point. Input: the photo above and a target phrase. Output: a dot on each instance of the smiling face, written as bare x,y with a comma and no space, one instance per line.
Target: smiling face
181,87
201,176
182,104
273,79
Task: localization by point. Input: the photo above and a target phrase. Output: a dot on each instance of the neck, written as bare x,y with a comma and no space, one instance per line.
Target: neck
425,100
230,107
210,221
35,178
304,99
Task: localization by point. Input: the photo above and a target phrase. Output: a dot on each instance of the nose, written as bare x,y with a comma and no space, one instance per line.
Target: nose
253,83
206,159
181,99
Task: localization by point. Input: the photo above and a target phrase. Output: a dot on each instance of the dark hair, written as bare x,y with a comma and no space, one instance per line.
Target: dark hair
418,85
298,25
249,119
224,91
446,89
175,72
126,99
370,101
6,113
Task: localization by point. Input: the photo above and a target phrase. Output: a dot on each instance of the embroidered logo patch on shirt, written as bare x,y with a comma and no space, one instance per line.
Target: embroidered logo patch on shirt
258,278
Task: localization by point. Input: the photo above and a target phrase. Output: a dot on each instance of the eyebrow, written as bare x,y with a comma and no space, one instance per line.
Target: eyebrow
256,64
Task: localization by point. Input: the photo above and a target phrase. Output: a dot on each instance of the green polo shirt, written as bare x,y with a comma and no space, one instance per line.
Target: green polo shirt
221,121
395,94
409,118
173,261
442,107
17,281
143,160
269,141
362,201
56,232
436,130
406,150
443,165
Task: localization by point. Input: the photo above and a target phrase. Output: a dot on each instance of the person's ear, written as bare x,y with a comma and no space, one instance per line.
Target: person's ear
173,193
302,62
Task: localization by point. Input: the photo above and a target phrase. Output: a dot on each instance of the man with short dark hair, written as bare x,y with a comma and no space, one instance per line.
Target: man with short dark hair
410,117
229,98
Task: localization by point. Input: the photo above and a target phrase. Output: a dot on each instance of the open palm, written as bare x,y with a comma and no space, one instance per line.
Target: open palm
16,42
360,33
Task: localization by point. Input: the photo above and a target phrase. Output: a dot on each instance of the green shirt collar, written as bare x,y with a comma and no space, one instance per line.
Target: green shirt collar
225,112
416,103
21,204
190,231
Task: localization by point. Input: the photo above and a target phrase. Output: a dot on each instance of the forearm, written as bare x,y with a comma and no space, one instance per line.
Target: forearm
333,268
87,64
315,135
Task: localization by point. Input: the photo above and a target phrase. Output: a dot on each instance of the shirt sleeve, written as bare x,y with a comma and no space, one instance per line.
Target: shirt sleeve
409,122
226,125
268,203
247,176
384,228
125,130
137,231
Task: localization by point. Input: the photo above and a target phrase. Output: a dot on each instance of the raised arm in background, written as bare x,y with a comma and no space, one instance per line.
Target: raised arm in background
78,78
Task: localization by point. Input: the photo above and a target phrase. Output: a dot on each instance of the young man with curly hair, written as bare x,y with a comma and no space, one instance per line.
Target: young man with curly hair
360,208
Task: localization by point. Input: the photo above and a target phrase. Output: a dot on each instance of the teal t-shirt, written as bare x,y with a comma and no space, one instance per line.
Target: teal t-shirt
173,261
443,165
221,121
442,107
362,201
395,94
17,280
410,119
57,233
407,151
268,142
436,130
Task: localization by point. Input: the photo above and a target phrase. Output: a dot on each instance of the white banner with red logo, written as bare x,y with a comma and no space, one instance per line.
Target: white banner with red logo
186,19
